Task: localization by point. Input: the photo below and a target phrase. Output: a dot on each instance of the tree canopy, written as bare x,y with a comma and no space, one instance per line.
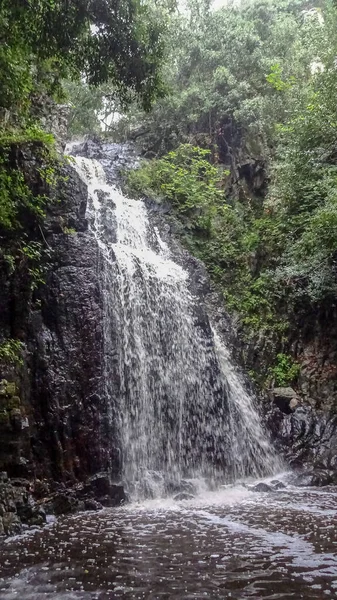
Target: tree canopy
44,41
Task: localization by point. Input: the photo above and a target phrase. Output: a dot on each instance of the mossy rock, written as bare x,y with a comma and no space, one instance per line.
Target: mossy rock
11,388
7,388
3,387
4,418
10,403
13,402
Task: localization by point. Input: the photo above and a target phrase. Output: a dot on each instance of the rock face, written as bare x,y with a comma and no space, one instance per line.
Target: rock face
65,344
17,507
304,422
54,421
52,404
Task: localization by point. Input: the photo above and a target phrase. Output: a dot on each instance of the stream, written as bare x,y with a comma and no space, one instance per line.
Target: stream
233,543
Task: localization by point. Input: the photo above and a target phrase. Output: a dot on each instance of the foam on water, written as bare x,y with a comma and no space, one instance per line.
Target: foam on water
232,543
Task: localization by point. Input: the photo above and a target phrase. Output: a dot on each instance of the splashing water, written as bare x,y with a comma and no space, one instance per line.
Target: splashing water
251,448
176,400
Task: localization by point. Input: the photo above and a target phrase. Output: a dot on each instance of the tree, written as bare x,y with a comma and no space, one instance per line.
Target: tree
101,40
217,66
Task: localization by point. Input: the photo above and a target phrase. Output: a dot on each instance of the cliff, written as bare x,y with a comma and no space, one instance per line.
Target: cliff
54,426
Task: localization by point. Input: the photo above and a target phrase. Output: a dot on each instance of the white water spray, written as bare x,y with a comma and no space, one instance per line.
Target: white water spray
181,409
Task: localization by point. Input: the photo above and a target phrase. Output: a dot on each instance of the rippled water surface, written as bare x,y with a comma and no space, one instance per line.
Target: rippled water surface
231,544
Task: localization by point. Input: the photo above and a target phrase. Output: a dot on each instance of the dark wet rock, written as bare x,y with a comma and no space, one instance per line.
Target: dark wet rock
101,488
52,421
31,514
183,496
315,478
115,497
91,148
98,484
261,487
66,503
18,507
188,486
306,437
11,524
175,487
37,520
285,399
277,485
41,489
91,504
20,482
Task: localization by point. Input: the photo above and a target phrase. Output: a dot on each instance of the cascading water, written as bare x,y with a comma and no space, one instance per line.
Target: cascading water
251,449
181,409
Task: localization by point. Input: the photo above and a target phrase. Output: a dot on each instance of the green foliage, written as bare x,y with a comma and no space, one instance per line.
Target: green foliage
186,178
87,103
29,135
105,40
225,237
275,79
304,177
43,43
256,80
285,371
229,66
51,41
11,352
19,202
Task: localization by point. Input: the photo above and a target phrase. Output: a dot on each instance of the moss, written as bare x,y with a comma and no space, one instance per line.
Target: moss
9,398
13,402
3,387
29,135
11,388
4,418
11,353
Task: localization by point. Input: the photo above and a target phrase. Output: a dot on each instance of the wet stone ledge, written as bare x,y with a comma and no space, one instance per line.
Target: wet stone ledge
18,509
24,504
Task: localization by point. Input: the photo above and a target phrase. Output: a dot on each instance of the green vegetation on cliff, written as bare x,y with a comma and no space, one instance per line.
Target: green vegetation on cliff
255,85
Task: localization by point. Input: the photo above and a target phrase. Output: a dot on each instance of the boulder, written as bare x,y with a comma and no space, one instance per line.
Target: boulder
98,485
91,504
66,503
116,496
175,487
261,487
315,478
183,496
277,485
11,524
285,399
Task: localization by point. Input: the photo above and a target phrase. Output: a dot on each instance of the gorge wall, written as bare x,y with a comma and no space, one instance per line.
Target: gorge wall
302,416
53,414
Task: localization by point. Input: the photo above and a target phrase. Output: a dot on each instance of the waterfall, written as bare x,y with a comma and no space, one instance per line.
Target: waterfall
250,446
180,408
